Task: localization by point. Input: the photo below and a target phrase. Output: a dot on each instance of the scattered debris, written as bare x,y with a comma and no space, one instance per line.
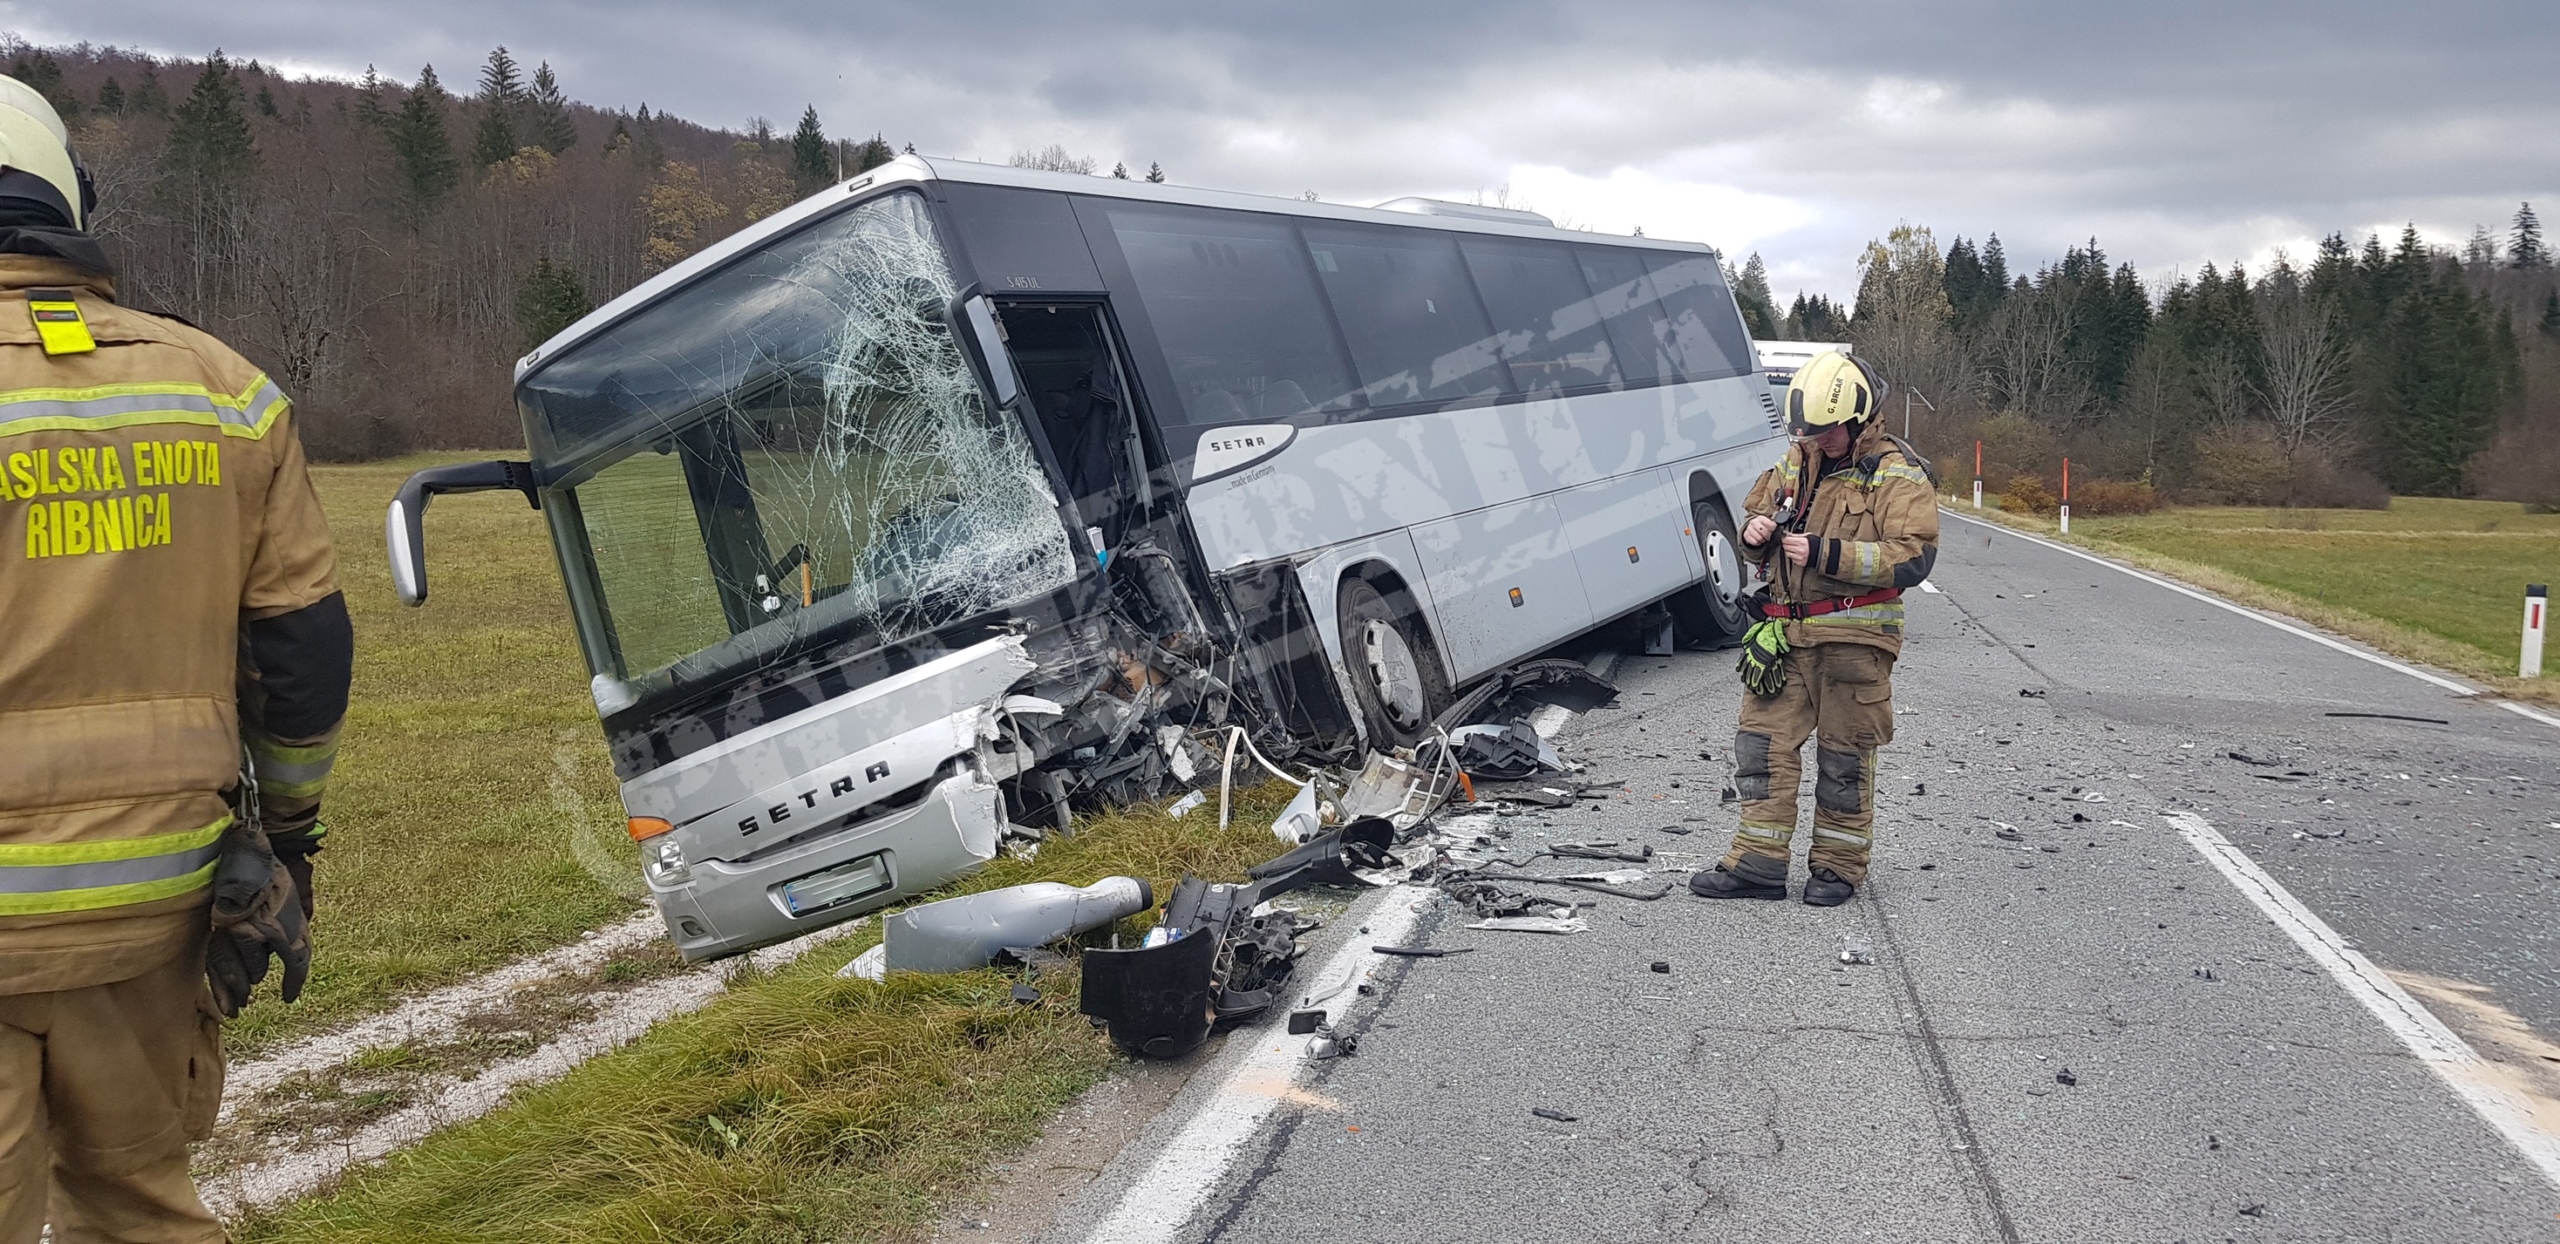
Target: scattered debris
1855,948
1534,924
1187,803
1510,752
1025,995
1677,829
2254,1209
1642,854
1557,1115
2065,1078
1302,819
2032,693
1662,966
1303,1022
2431,721
1615,876
2204,974
1423,952
2247,759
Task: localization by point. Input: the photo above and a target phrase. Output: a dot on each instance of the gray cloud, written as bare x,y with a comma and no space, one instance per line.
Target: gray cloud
2175,133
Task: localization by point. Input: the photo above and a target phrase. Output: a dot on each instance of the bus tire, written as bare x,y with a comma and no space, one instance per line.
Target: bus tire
1395,672
1709,613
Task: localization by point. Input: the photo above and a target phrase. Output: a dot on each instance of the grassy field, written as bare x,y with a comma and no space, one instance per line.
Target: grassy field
473,818
2434,579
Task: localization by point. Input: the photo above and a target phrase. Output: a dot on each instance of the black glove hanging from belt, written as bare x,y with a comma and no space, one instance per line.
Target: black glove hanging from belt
257,915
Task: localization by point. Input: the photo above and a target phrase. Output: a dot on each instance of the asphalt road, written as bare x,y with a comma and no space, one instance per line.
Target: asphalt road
2076,1028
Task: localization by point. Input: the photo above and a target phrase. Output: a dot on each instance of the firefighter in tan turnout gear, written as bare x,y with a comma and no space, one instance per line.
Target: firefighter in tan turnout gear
1844,524
172,674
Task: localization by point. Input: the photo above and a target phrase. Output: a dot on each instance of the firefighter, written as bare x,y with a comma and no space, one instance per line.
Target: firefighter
171,685
1842,525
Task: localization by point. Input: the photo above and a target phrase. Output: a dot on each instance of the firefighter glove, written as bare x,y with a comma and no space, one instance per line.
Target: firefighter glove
1764,658
257,915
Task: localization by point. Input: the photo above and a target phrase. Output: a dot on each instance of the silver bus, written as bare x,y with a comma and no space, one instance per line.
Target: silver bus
956,495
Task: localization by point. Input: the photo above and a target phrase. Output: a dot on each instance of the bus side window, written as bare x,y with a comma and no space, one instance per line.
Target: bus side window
1551,335
1408,313
1234,304
1637,325
1705,324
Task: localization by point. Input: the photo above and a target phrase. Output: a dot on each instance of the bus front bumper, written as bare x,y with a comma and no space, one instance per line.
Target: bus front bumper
720,907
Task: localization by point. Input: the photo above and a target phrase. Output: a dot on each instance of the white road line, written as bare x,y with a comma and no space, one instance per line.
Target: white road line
1157,1204
2534,713
2448,1055
2251,614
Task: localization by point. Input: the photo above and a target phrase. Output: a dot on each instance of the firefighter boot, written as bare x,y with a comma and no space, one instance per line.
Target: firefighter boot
1751,876
1826,888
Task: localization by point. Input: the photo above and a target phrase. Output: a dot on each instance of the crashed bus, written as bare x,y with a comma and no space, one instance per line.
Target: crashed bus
956,496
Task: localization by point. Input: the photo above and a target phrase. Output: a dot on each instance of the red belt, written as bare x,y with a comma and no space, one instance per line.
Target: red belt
1817,608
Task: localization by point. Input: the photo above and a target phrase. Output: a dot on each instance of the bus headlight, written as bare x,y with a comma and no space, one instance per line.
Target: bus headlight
663,858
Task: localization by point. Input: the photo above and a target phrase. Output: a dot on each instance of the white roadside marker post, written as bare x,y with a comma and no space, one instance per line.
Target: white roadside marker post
2066,496
2537,602
1977,475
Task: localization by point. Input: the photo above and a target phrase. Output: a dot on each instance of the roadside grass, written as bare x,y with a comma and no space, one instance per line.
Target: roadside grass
473,817
798,1107
2432,579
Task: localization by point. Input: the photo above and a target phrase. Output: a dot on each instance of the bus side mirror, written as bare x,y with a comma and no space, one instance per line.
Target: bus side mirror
403,530
981,337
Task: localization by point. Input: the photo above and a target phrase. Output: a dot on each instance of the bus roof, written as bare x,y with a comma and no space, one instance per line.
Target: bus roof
915,170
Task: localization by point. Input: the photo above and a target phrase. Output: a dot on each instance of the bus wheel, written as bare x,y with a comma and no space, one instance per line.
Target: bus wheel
1710,612
1394,671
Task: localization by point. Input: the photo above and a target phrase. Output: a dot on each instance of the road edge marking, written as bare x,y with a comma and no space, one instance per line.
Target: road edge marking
1162,1200
2439,1047
2458,688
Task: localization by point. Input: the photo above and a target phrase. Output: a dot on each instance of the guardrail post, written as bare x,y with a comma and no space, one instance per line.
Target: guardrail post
2537,610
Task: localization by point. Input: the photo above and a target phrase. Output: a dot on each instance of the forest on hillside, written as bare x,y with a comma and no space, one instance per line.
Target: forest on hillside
2338,379
387,249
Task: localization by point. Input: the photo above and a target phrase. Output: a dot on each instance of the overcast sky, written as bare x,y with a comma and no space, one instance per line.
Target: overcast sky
2175,133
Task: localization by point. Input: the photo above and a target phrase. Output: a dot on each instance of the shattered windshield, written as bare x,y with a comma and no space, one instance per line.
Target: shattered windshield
794,444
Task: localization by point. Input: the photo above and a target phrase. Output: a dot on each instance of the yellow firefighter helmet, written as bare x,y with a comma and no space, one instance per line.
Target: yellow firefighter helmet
33,142
1832,388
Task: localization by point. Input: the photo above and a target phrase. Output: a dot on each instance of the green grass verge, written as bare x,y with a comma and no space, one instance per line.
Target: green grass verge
799,1107
2431,579
473,817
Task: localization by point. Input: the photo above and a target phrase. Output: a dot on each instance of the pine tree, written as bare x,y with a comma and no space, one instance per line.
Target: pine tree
550,298
111,97
369,106
1120,171
1995,275
501,94
266,101
2551,315
548,111
873,153
1155,172
210,142
812,161
1751,290
421,146
2524,246
44,73
148,98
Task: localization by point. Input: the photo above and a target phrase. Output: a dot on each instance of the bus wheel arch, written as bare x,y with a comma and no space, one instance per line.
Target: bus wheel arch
1710,612
1392,660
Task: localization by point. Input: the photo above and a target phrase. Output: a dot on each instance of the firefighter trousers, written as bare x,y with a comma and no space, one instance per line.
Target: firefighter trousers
101,1089
1841,695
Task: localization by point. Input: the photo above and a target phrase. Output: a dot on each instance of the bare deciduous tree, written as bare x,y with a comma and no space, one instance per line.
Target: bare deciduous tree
2305,358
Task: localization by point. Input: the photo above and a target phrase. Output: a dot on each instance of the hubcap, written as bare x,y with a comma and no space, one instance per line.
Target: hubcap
1724,568
1394,672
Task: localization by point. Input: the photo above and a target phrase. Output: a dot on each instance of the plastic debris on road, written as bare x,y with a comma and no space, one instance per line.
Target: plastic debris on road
1855,948
1534,924
1187,803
